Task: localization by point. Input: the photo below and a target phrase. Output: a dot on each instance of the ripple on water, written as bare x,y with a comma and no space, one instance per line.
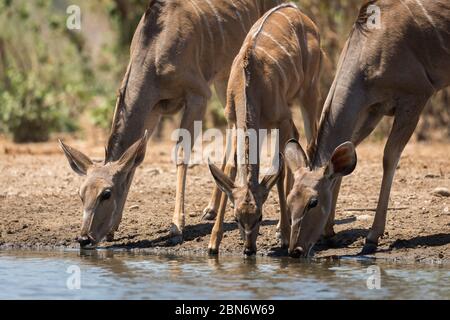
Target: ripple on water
120,275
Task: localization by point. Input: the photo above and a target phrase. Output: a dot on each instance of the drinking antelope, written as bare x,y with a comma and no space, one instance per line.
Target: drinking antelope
391,71
179,48
278,65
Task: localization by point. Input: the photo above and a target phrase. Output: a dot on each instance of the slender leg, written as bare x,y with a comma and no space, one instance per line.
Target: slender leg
289,177
329,227
287,131
217,231
194,111
210,212
402,129
284,224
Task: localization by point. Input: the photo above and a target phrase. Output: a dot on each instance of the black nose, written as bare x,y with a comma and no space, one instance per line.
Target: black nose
297,252
84,241
249,252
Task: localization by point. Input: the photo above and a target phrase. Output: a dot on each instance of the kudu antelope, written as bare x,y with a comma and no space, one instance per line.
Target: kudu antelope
278,66
391,71
179,48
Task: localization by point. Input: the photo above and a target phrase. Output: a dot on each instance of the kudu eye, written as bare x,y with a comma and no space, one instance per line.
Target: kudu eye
313,203
106,194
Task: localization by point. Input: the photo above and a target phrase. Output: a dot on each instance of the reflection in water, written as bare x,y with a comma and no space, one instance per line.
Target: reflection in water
109,274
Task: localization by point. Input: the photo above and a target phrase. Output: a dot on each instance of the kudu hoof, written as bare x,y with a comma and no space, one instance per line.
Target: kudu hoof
109,237
209,214
283,243
176,236
213,252
369,248
278,235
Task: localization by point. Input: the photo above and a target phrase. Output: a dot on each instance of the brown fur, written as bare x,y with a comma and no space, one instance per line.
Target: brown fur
179,49
278,66
391,71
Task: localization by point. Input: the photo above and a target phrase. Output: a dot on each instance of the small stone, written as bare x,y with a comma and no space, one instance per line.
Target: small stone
135,207
364,217
440,191
441,255
154,171
446,210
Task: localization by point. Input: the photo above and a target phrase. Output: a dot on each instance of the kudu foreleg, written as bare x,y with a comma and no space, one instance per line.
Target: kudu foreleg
230,170
284,226
329,227
287,131
194,111
402,129
210,212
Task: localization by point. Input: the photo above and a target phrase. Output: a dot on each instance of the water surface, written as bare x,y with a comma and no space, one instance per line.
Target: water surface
122,275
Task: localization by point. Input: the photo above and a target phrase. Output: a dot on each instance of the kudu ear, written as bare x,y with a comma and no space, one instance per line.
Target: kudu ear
295,156
78,161
222,180
343,161
135,154
270,180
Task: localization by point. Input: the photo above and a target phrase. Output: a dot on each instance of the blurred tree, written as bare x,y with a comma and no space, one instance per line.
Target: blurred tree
43,73
49,75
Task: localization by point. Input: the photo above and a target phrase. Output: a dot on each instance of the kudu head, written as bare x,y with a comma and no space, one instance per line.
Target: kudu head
311,196
247,199
104,189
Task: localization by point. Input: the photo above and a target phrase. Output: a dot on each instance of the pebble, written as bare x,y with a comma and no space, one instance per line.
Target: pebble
444,192
364,217
135,207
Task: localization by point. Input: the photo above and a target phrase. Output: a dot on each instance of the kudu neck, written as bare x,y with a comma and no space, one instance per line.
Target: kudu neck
129,123
337,126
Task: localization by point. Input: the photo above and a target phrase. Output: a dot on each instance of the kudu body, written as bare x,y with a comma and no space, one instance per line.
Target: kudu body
390,71
278,65
179,49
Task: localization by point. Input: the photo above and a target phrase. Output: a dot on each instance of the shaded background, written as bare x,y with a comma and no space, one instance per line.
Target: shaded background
54,80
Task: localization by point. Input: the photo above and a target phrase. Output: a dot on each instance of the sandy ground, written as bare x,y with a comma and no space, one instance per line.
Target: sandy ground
40,208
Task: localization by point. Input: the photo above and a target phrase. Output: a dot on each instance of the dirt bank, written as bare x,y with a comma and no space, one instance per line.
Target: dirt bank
39,206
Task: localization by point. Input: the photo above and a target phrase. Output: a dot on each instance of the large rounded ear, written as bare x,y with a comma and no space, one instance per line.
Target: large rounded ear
78,161
295,156
270,180
222,180
343,161
135,154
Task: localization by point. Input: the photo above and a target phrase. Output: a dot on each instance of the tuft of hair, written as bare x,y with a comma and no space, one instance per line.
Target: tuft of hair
153,6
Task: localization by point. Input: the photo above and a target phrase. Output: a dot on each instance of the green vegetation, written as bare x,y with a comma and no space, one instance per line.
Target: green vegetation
43,75
50,76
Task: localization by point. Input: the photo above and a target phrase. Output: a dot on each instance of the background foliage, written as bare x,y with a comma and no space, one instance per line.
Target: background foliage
53,79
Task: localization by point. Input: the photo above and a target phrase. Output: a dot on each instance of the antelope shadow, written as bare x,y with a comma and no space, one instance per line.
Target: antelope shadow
191,232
